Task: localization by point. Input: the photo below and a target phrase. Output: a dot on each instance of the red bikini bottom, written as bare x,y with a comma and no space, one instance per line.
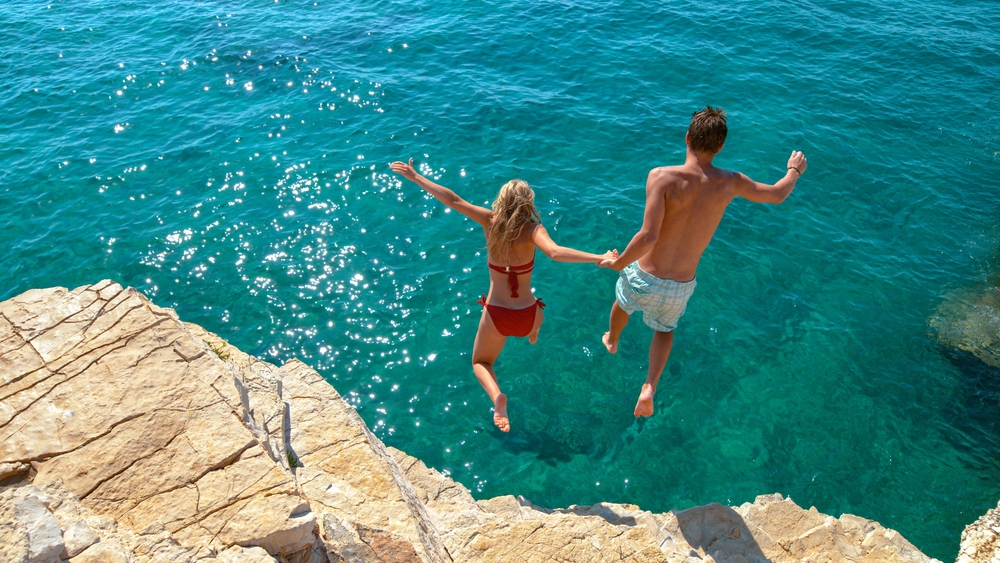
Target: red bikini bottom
512,322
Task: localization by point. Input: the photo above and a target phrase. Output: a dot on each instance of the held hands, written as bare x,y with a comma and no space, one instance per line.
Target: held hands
797,162
608,259
406,170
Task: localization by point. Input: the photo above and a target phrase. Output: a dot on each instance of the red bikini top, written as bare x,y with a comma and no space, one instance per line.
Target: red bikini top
512,273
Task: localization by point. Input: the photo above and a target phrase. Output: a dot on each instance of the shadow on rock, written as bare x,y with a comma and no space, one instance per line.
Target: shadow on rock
719,531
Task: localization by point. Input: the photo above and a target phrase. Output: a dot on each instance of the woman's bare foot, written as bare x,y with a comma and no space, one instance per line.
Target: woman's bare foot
611,346
644,407
500,413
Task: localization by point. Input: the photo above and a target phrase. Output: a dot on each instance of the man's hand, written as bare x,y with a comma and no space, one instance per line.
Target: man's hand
797,162
406,170
609,259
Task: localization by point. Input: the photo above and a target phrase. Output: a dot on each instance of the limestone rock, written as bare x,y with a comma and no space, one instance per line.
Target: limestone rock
264,412
129,436
102,553
338,464
352,543
771,529
346,471
77,537
786,532
981,539
10,470
513,529
31,532
237,554
112,397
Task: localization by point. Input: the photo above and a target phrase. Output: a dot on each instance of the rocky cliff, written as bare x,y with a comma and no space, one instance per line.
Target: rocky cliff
127,435
981,539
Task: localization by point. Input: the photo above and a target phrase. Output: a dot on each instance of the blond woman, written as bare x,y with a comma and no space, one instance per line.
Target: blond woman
513,229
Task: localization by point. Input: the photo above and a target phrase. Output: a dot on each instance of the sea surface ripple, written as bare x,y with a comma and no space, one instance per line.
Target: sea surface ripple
229,159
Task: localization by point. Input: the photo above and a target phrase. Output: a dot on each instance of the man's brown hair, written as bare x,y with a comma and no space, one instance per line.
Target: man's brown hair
707,131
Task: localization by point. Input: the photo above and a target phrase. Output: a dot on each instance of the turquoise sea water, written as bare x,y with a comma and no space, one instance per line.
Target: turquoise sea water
229,159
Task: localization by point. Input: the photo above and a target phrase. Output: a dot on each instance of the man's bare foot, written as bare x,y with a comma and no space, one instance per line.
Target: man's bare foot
500,413
606,339
644,407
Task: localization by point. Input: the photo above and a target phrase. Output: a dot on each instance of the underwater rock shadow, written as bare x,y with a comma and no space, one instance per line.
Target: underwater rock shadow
966,330
976,415
542,445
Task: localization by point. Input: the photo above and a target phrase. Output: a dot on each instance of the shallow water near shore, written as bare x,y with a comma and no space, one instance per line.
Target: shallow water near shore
230,160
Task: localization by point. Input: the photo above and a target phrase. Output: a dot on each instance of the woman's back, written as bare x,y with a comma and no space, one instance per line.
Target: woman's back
519,263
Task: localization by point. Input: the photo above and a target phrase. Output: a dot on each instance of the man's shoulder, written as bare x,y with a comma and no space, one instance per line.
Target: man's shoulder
673,169
677,179
730,177
665,175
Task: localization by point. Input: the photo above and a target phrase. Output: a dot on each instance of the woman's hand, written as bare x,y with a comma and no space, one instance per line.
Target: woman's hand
405,170
607,259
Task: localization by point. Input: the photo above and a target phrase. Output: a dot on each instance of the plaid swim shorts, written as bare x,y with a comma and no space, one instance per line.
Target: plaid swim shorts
661,301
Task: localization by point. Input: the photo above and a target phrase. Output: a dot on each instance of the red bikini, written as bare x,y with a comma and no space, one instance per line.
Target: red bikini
512,322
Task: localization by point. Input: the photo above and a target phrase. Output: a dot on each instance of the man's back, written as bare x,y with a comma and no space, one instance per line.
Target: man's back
694,201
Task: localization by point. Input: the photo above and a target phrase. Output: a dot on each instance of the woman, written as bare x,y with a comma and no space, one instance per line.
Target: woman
513,230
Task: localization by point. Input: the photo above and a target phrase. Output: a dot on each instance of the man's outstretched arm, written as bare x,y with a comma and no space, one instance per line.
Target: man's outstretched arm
764,193
652,219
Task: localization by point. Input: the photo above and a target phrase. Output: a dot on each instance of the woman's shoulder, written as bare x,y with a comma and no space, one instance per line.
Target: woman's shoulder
528,232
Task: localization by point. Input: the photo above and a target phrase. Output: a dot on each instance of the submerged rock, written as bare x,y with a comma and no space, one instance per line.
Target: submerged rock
969,321
128,435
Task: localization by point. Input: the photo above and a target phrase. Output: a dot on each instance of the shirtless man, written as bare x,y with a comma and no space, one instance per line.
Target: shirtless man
684,205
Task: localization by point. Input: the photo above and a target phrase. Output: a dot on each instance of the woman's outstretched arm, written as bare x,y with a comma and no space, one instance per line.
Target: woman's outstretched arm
558,253
478,214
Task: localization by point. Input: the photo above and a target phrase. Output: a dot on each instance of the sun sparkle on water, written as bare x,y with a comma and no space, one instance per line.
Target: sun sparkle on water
232,163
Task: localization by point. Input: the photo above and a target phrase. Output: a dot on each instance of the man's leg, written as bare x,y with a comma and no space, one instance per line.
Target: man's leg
659,352
619,319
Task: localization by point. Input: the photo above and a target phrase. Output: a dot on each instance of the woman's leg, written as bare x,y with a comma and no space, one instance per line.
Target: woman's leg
539,317
489,344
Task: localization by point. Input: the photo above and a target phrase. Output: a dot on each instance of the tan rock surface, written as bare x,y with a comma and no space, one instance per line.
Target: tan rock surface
769,529
111,397
341,468
127,435
981,539
31,531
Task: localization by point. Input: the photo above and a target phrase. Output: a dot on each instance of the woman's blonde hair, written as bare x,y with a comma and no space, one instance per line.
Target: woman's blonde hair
513,208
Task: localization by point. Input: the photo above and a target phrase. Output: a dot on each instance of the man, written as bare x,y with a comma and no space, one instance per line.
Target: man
684,205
